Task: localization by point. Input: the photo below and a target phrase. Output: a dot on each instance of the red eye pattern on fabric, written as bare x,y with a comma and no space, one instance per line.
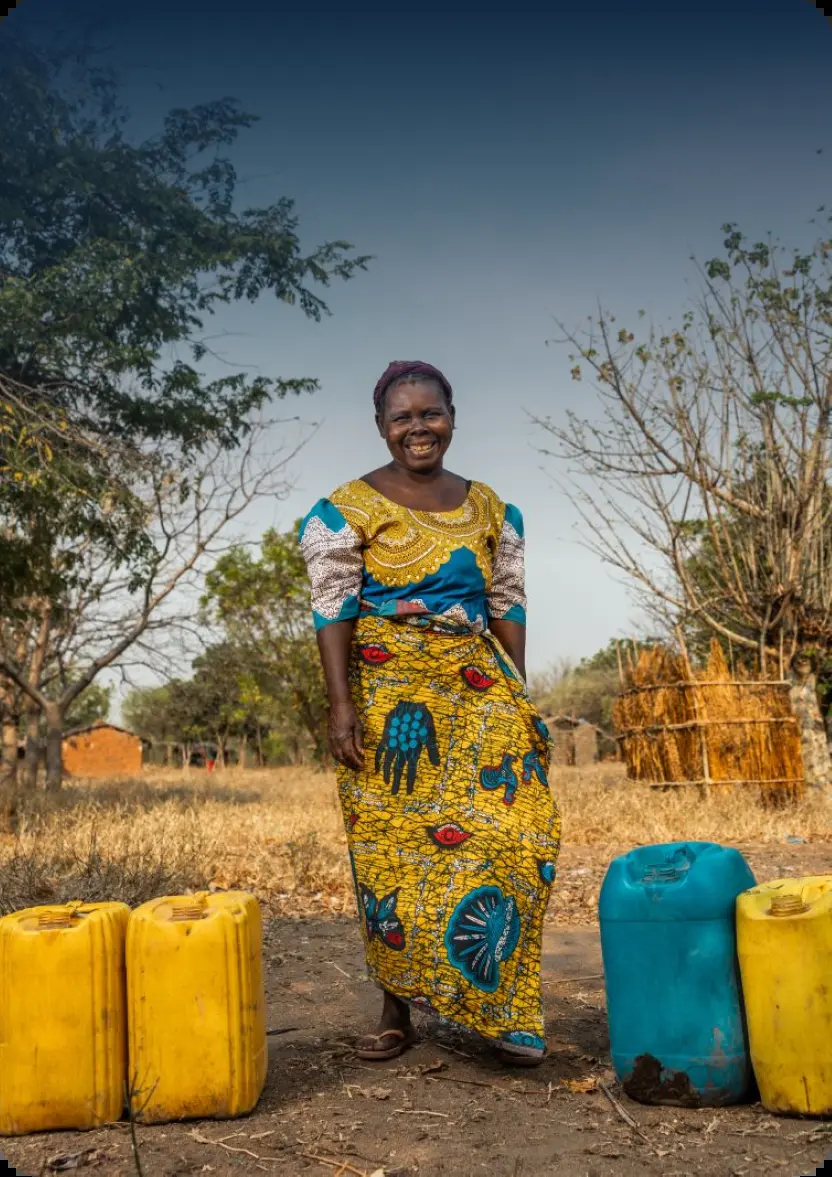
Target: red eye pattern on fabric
375,655
448,835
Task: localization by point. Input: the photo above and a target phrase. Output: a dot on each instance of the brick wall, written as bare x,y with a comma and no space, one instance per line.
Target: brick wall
102,752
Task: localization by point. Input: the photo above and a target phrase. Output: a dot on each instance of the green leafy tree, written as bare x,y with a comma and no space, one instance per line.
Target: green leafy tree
264,608
153,712
113,256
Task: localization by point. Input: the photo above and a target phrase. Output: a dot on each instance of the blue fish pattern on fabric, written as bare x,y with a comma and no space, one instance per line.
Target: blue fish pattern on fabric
533,767
501,776
483,932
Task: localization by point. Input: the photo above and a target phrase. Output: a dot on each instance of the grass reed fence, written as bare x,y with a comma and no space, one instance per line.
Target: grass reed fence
680,727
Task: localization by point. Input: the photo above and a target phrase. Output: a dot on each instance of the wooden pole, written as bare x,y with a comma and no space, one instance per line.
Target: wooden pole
703,738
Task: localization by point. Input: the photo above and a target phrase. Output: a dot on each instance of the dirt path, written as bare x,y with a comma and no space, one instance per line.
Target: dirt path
446,1109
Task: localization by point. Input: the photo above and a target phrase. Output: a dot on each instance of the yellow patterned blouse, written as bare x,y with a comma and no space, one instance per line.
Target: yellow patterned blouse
367,554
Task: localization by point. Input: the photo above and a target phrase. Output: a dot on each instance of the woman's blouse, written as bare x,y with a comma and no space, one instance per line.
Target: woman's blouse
368,555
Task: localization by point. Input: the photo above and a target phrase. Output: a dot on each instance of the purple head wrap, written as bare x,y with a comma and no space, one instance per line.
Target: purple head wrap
401,368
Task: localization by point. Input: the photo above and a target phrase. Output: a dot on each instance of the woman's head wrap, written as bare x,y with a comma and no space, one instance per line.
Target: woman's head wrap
415,368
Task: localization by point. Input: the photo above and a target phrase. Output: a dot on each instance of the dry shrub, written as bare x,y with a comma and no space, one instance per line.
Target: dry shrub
279,833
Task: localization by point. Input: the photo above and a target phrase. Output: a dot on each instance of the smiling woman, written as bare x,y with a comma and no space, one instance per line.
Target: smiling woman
419,605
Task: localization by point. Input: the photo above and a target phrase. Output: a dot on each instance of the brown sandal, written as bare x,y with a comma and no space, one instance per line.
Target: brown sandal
404,1039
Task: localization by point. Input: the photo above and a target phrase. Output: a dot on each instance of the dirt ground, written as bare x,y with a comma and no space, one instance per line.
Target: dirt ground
446,1108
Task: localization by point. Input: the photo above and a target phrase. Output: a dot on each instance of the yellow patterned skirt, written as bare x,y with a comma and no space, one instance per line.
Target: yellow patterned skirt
452,829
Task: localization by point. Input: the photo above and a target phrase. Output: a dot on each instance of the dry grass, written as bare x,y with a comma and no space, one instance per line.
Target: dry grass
279,834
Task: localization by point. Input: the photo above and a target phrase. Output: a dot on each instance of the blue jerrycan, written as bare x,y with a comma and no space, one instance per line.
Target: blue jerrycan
674,999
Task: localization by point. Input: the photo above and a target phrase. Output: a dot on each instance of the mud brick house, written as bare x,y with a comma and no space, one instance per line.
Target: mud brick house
102,750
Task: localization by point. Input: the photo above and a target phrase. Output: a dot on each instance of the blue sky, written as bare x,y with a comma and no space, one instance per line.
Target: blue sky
505,170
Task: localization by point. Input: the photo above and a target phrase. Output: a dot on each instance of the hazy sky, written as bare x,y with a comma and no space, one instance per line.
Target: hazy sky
505,169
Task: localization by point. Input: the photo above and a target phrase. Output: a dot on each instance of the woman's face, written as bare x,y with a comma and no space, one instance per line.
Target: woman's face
417,425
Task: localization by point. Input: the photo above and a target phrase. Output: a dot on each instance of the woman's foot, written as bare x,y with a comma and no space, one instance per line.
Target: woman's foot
394,1035
521,1050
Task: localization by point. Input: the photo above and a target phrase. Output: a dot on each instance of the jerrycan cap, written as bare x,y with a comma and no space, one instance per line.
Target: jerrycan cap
785,905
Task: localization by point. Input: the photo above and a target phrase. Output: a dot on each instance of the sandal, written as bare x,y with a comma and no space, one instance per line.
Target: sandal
519,1056
401,1041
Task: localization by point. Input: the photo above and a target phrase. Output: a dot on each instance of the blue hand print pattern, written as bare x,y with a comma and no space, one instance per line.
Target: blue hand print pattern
408,732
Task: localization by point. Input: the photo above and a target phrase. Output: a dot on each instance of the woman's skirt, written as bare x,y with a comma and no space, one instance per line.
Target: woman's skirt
452,830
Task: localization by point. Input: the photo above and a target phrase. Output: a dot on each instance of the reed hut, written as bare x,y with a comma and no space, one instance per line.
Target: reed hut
575,741
680,727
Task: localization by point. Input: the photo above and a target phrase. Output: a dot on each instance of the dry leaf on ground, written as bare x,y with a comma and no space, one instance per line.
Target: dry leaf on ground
580,1086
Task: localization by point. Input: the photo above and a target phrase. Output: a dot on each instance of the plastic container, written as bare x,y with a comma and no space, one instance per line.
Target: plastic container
784,940
62,1017
674,1001
196,1007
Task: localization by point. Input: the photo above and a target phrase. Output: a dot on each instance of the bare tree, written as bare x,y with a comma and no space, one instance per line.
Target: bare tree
703,475
112,612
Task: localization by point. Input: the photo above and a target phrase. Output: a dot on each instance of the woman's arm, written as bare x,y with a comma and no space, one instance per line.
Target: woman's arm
332,550
345,734
507,598
512,637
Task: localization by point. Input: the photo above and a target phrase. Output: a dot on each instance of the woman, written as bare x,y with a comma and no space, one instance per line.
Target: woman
419,606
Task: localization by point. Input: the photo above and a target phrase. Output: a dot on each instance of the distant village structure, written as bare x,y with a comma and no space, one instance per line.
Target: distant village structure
578,744
102,750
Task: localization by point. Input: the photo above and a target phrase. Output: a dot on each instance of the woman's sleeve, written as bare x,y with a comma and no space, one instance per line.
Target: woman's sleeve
335,563
507,599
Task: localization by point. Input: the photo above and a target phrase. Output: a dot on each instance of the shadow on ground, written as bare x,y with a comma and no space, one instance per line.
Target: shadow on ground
444,1109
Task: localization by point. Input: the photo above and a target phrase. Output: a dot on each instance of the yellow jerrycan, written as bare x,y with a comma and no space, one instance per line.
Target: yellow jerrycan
196,1007
63,1036
784,944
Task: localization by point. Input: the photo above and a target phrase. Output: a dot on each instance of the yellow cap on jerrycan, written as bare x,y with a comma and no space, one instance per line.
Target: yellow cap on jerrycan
63,1039
196,1007
784,944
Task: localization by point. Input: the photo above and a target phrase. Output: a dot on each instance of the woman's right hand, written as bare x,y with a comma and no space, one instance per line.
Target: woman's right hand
346,736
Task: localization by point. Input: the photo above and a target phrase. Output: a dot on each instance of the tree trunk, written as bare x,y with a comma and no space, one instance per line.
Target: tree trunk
8,771
54,716
168,755
31,762
242,753
260,761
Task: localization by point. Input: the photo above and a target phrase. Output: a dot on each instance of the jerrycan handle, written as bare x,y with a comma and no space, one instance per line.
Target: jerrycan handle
192,909
50,920
672,869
